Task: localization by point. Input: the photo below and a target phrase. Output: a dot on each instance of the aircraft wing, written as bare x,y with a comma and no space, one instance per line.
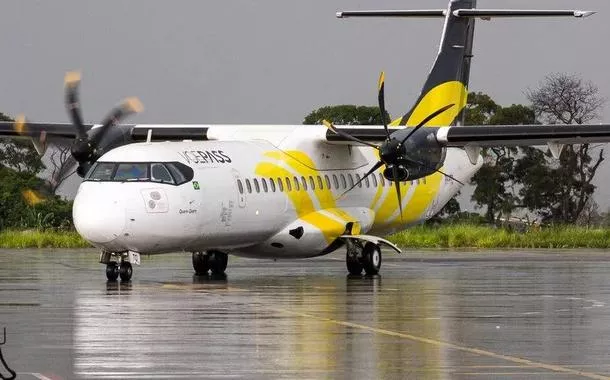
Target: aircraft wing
520,135
491,135
35,130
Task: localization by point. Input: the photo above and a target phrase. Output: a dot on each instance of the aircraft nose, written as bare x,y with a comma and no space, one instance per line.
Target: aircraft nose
98,217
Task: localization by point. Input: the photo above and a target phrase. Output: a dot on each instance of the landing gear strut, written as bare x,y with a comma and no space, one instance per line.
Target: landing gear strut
367,257
214,261
117,265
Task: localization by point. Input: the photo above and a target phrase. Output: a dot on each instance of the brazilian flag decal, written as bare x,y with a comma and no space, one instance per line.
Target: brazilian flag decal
195,185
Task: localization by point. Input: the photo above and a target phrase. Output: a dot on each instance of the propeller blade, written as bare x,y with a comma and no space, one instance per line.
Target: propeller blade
128,107
71,82
19,124
381,100
450,176
426,120
330,126
397,184
375,167
407,158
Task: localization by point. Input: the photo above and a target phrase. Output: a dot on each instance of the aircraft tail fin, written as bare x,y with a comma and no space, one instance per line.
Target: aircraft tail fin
447,82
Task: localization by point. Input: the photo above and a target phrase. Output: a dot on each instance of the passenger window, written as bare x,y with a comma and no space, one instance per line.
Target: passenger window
280,185
304,183
336,181
288,184
351,179
240,186
358,180
256,186
272,184
296,184
312,183
320,184
374,177
248,186
264,182
159,173
366,181
131,172
343,183
102,171
381,179
327,180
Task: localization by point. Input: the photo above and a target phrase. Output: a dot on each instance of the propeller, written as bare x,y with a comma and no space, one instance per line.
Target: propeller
391,151
88,147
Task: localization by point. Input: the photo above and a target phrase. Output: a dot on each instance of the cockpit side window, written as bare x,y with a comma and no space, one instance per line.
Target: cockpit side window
102,171
131,172
159,173
181,173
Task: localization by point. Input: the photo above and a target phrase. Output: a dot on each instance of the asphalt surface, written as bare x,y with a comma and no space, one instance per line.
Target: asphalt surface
429,315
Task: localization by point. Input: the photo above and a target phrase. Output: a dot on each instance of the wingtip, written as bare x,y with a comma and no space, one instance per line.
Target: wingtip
584,14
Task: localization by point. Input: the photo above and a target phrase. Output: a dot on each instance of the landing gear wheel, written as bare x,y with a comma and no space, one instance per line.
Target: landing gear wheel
371,259
125,271
201,263
354,267
112,271
218,262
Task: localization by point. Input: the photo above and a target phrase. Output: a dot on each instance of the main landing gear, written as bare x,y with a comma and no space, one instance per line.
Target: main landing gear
362,255
118,265
210,261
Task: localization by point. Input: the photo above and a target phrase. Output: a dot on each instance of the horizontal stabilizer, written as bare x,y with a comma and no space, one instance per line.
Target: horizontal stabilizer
489,13
467,13
395,13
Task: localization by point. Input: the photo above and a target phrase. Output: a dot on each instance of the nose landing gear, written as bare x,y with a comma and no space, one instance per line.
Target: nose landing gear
118,265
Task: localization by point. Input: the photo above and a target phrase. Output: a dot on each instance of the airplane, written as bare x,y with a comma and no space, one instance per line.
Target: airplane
286,191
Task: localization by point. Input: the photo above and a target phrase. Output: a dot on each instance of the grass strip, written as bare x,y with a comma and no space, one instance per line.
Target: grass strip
447,236
473,236
41,239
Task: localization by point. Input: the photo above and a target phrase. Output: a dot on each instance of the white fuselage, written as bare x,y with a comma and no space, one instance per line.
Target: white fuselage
276,193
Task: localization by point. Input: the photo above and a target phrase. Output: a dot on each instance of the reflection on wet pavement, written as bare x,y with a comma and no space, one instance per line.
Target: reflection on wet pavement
428,316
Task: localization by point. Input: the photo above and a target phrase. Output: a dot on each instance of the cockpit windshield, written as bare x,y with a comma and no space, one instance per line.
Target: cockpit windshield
173,173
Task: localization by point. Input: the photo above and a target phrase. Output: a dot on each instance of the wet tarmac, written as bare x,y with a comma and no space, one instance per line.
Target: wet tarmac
430,315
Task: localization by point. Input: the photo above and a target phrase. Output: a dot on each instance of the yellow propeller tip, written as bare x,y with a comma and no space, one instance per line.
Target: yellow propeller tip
72,78
19,124
327,123
381,80
134,104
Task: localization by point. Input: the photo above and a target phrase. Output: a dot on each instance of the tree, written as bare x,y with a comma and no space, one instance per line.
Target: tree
494,181
346,115
560,191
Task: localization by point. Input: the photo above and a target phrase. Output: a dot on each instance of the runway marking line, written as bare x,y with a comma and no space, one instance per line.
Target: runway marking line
439,343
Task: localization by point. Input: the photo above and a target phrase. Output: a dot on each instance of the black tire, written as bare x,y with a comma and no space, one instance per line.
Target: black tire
112,271
201,263
218,262
353,264
371,259
125,271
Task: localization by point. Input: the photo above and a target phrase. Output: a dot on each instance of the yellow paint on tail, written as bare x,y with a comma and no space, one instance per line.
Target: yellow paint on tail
453,92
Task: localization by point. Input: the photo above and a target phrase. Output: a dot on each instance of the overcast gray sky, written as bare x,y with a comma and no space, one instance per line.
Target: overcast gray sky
272,61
